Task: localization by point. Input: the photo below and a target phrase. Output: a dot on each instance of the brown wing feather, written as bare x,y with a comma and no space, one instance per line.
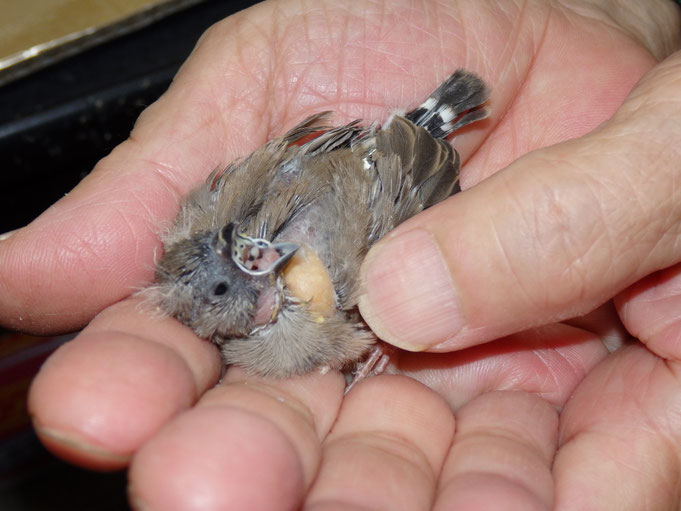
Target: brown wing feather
413,171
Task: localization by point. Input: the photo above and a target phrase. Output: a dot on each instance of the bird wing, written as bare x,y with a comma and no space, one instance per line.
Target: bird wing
413,171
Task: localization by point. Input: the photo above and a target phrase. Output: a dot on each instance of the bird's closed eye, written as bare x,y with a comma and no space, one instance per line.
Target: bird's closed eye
220,289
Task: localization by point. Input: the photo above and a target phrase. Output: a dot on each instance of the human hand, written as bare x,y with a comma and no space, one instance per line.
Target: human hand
559,232
105,397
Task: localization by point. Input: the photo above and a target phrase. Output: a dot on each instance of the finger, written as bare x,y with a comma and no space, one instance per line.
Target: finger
620,438
651,311
385,450
553,236
495,435
249,444
102,395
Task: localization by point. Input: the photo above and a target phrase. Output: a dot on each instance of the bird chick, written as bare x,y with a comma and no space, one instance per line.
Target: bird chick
263,258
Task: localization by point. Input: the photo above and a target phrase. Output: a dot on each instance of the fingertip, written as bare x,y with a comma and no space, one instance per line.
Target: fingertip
250,443
217,457
388,425
651,311
102,395
374,405
78,450
497,433
409,299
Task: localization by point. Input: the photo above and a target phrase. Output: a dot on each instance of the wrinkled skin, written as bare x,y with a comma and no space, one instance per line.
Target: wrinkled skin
532,420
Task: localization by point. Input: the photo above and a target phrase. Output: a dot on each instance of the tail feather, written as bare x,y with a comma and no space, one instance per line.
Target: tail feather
455,103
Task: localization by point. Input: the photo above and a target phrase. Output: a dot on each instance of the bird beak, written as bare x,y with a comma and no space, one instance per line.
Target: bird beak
286,251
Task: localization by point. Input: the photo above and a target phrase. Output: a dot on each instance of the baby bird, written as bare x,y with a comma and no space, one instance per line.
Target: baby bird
263,258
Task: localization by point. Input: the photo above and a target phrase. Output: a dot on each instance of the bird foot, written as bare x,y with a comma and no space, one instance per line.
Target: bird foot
373,365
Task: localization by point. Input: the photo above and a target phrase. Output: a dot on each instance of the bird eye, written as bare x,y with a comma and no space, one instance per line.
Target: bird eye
220,289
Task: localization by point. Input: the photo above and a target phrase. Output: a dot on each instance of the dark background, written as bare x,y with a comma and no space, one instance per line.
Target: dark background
55,124
58,122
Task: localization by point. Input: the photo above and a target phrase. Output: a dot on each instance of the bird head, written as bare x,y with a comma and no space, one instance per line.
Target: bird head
213,281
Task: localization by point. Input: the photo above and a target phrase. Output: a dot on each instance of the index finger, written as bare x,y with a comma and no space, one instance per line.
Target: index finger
102,395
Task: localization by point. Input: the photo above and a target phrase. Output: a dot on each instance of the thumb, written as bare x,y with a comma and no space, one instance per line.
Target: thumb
552,236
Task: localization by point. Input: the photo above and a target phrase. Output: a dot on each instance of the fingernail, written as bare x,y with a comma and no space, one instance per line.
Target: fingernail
408,296
6,235
77,448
